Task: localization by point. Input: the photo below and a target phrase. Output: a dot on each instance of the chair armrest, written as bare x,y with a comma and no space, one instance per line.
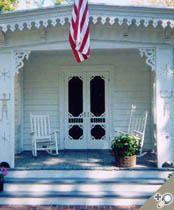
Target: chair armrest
120,132
32,133
53,132
138,132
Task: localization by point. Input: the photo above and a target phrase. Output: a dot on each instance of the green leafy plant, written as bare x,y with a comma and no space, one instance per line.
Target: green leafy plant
124,145
8,5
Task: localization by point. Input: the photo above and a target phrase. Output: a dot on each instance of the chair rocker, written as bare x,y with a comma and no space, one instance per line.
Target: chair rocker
137,127
42,137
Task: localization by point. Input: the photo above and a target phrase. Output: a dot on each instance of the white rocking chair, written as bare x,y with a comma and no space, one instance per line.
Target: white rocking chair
42,138
137,127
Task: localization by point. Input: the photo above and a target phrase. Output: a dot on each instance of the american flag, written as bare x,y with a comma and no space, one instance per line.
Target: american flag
79,36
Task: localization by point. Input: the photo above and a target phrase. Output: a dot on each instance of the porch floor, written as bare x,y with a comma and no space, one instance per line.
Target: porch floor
71,159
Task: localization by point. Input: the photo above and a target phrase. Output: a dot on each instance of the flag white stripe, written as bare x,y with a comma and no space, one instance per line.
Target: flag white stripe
76,2
81,56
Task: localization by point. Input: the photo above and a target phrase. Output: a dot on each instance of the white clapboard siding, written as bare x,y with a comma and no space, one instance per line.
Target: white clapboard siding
130,84
41,95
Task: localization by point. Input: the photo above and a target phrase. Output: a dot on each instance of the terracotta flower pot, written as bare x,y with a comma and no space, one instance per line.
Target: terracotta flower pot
126,161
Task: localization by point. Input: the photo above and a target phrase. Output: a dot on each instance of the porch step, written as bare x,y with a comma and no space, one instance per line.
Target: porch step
97,174
84,184
79,190
72,198
78,194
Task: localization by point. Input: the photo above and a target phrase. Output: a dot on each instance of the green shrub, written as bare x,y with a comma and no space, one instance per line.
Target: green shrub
124,145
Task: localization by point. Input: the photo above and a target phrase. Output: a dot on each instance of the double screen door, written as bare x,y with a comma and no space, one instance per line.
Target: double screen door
86,102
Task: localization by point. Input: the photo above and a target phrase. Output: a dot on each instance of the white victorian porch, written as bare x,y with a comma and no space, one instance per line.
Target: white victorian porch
37,67
45,90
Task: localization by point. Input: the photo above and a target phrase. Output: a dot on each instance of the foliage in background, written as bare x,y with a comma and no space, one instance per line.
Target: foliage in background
58,1
167,3
63,1
8,5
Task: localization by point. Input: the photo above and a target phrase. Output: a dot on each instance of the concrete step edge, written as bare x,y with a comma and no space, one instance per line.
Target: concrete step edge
142,181
76,194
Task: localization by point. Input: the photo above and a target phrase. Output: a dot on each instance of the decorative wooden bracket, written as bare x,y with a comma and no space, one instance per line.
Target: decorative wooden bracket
150,55
19,57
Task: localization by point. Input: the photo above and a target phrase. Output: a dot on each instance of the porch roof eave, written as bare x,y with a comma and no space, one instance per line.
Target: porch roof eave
98,13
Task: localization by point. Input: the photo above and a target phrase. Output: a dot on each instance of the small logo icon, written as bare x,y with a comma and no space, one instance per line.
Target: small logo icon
167,199
157,197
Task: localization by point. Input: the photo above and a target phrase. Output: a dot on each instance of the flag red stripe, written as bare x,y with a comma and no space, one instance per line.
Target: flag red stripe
85,56
77,19
75,23
88,53
75,10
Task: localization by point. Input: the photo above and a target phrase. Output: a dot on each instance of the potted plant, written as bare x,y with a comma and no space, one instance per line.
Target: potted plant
3,172
124,149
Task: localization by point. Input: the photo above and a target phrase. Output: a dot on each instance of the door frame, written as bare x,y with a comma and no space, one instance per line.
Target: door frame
62,96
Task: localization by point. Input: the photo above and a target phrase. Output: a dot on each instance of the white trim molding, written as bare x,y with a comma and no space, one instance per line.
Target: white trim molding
149,53
60,15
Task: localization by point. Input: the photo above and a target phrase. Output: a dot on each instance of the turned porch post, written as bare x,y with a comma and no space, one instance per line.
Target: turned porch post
165,105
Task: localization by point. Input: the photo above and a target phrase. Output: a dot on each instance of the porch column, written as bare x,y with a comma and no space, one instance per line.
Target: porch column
6,109
161,61
165,105
10,64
